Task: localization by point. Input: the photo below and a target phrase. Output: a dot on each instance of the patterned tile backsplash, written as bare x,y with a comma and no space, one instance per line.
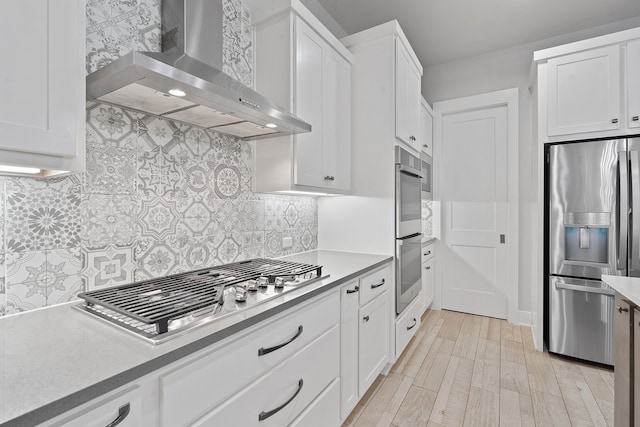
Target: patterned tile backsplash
158,197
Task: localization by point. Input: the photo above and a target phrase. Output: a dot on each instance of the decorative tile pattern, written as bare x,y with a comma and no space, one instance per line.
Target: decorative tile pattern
38,279
108,219
44,219
107,266
427,218
158,218
158,197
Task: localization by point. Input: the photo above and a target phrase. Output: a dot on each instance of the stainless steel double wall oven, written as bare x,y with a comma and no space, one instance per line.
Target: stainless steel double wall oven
408,227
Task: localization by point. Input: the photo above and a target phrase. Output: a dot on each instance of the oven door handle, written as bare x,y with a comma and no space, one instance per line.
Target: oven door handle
411,239
410,171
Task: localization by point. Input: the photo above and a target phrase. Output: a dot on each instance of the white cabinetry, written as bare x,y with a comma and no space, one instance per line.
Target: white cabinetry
589,89
428,275
407,323
365,309
42,84
426,122
408,75
301,345
633,84
584,92
304,68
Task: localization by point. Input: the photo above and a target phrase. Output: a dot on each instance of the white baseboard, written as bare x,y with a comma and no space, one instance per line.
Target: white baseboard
523,318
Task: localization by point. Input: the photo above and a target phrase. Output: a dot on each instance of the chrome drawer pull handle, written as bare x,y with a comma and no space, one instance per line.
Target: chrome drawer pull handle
428,267
415,322
377,285
365,318
262,351
264,415
622,309
614,121
428,253
122,414
635,118
354,290
329,178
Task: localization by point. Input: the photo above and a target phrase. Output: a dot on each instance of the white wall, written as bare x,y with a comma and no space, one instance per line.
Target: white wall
501,70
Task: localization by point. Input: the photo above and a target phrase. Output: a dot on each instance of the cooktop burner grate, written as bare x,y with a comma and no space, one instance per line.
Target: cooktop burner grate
158,301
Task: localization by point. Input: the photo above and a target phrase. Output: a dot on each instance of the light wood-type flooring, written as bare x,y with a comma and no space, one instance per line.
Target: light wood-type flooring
466,370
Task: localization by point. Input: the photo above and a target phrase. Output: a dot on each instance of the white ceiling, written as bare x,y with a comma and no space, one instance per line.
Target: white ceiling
441,31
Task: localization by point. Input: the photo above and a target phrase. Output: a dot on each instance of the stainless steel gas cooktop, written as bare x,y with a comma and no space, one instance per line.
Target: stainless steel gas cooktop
163,308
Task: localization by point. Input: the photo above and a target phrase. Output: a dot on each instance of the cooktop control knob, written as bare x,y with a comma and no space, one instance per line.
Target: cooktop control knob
241,293
263,282
252,285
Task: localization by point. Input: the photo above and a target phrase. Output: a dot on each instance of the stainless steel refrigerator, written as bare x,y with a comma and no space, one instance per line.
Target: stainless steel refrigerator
593,192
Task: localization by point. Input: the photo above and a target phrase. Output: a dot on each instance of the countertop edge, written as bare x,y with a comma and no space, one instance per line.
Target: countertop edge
80,397
628,287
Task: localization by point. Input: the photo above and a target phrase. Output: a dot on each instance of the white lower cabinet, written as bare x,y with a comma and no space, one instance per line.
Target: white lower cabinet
365,310
428,274
131,406
277,398
407,323
373,348
322,411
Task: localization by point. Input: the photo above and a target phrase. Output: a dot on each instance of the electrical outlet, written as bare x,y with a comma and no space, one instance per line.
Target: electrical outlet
287,242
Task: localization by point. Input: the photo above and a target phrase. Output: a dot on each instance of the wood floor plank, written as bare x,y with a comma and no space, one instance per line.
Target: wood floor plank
483,408
510,408
542,377
451,326
494,329
486,369
467,342
501,380
513,376
549,410
580,414
449,408
512,351
416,408
441,360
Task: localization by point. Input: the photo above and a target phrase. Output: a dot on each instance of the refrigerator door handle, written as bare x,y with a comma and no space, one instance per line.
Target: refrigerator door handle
635,210
623,179
587,289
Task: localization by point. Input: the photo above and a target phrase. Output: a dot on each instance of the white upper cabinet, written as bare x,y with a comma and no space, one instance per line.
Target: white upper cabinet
42,84
302,66
633,84
589,89
426,120
584,92
408,75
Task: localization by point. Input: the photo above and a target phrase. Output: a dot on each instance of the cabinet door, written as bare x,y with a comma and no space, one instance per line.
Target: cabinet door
309,93
348,348
414,99
337,122
428,282
636,367
633,84
373,346
403,62
622,362
427,130
584,92
42,87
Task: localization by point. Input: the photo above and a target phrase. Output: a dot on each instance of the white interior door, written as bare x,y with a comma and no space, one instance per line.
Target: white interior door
474,200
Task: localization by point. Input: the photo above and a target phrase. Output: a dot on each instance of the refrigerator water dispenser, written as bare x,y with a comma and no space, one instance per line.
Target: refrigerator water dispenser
586,237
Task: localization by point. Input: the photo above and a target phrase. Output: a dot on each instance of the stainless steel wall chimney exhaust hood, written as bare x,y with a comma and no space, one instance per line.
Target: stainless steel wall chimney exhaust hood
184,82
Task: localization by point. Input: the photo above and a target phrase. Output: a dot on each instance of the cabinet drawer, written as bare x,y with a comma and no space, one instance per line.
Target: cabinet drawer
322,411
406,325
126,406
191,390
428,250
291,386
373,284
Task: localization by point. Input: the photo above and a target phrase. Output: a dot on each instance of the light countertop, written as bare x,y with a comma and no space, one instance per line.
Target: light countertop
54,359
629,287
